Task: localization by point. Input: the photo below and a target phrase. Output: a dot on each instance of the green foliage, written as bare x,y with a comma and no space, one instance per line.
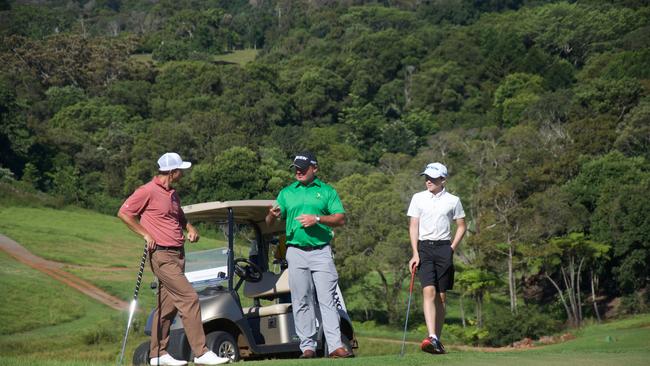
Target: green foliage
375,237
605,186
524,101
634,136
69,59
635,303
618,65
468,335
439,88
65,183
505,328
61,97
37,21
317,91
516,93
16,137
134,94
233,175
623,222
615,96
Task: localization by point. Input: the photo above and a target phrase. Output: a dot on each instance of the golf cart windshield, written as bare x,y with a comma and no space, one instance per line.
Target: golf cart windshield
232,214
206,267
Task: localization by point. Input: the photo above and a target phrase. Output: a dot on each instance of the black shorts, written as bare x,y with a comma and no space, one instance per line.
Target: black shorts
436,264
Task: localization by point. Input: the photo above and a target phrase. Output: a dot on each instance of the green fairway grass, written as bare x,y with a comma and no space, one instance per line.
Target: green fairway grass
625,342
240,57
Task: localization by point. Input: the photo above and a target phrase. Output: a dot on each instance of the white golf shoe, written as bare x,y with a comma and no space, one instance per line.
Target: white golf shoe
166,359
210,358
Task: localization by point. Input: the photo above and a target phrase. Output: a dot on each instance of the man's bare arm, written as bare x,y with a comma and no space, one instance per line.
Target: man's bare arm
460,233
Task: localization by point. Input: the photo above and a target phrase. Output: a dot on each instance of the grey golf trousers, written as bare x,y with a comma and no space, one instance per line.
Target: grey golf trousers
309,271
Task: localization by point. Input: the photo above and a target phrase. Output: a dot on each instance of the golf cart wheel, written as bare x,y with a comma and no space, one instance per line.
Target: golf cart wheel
223,344
141,354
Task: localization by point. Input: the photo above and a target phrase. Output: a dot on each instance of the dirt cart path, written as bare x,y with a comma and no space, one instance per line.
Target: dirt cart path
55,270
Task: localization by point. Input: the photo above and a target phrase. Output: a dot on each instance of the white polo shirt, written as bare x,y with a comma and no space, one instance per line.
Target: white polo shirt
435,213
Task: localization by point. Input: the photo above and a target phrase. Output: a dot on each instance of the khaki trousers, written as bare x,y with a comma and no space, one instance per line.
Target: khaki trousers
176,295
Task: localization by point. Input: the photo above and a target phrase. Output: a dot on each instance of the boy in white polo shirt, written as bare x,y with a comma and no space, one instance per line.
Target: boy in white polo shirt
431,212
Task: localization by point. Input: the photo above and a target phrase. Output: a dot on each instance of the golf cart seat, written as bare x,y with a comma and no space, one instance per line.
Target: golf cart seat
262,311
271,286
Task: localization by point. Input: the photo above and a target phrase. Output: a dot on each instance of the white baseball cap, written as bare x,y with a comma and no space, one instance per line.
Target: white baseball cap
435,170
171,161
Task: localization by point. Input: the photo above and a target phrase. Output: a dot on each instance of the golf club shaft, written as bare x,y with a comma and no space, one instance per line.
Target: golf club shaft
408,309
133,303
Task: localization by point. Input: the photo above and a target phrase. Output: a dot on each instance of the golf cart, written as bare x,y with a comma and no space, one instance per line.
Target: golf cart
263,330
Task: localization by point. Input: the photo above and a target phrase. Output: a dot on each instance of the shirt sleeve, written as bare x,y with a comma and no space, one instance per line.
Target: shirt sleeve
459,213
334,205
282,204
413,210
136,203
182,219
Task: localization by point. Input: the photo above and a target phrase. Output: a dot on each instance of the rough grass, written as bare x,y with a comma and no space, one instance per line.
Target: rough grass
42,319
30,299
78,237
95,247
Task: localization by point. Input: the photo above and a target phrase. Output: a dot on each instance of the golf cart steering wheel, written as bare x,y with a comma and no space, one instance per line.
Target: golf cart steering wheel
247,270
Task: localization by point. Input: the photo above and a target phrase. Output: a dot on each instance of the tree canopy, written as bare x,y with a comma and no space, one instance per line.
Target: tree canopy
540,110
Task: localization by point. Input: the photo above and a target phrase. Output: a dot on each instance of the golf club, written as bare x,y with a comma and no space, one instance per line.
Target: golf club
408,309
133,303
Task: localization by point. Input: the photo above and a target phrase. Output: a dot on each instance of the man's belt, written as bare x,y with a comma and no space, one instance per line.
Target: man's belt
162,247
435,242
308,248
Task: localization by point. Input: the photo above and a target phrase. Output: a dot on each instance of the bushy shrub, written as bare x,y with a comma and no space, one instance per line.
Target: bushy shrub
17,193
505,328
636,303
468,335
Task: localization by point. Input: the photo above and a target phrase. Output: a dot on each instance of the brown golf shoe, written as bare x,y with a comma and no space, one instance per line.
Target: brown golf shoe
341,352
308,354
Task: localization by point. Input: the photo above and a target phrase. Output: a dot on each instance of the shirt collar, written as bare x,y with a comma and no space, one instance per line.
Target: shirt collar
432,195
161,184
316,182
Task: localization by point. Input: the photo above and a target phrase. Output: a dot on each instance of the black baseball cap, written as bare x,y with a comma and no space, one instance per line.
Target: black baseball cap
303,160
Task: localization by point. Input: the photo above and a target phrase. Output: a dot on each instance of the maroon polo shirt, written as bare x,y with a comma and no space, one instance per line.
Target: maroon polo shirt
159,209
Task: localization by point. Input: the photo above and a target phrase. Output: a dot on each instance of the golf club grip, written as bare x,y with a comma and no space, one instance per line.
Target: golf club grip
142,262
412,278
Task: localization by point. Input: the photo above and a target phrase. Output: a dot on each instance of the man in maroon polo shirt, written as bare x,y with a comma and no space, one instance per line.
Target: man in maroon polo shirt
154,212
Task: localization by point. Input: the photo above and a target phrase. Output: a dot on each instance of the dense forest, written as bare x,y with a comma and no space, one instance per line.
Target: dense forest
540,109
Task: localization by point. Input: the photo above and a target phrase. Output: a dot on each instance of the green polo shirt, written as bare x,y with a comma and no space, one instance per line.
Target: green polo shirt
317,198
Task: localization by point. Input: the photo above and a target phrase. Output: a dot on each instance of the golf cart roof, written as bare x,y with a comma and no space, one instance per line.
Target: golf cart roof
244,212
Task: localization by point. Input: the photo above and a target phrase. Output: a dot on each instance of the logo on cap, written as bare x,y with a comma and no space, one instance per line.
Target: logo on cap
435,170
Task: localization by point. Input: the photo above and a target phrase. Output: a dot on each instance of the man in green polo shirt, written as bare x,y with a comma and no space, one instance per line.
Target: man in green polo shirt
311,208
